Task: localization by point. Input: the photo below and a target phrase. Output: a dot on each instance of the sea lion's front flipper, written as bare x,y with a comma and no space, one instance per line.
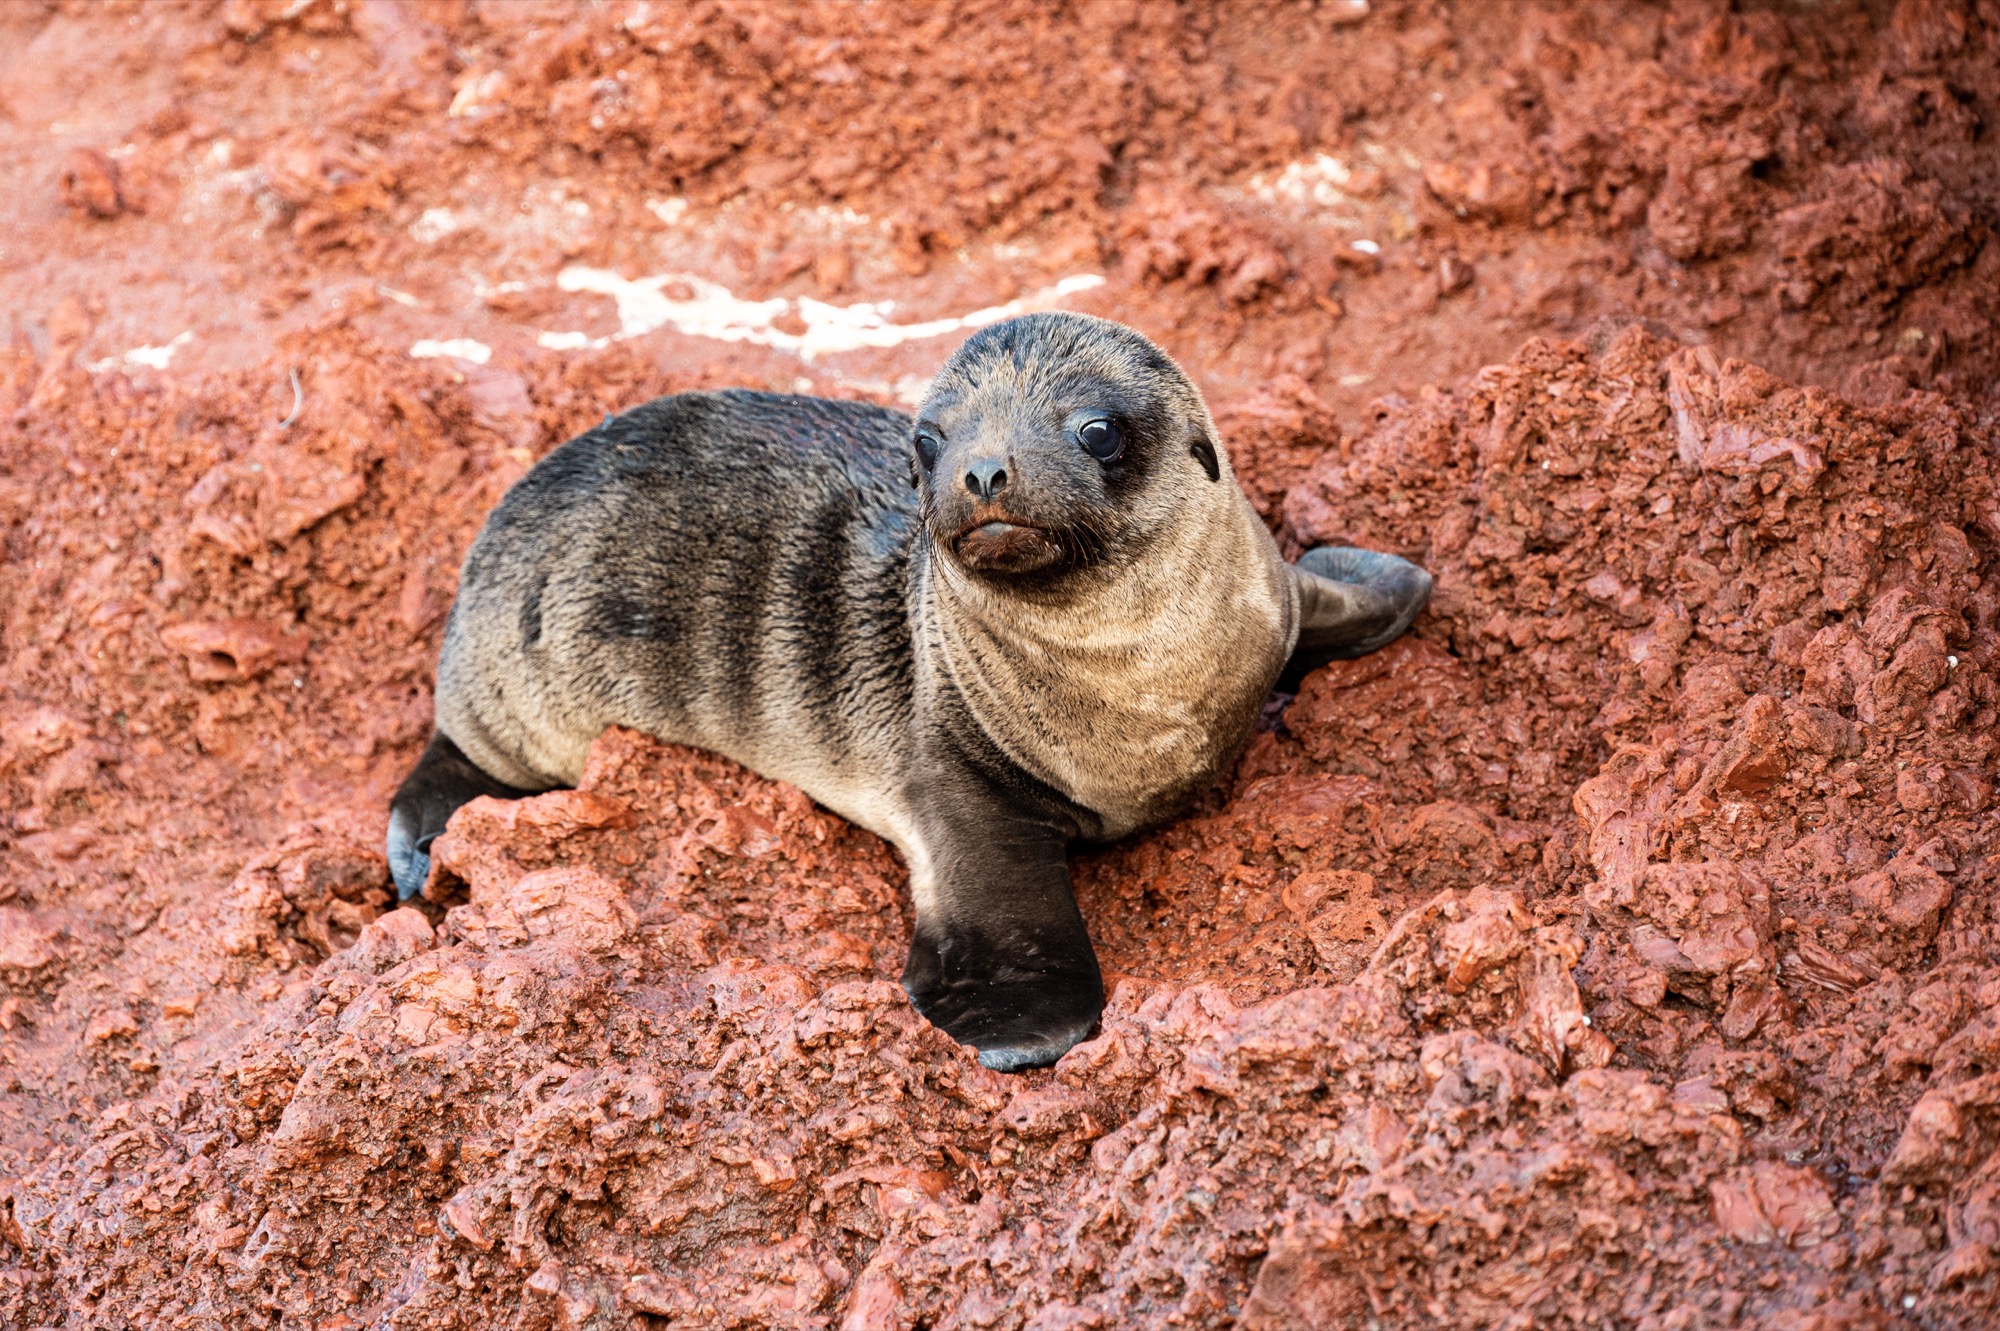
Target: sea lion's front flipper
1351,602
1000,959
444,778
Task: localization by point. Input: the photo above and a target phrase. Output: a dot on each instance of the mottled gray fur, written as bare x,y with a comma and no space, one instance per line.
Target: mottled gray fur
967,633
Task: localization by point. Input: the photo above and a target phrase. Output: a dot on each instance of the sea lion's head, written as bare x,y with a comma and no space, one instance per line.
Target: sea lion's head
1054,444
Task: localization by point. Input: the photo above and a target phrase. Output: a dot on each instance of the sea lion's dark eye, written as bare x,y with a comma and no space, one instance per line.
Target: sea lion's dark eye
927,451
1101,438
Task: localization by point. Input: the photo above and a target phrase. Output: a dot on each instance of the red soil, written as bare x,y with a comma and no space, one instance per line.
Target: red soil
1621,948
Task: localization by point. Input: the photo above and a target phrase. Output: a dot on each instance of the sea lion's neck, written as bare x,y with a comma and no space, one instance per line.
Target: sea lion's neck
1130,691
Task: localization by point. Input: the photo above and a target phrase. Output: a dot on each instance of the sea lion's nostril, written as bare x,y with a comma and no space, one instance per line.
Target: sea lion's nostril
986,478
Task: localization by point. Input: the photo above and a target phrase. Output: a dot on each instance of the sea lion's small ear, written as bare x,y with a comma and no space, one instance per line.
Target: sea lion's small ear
1205,451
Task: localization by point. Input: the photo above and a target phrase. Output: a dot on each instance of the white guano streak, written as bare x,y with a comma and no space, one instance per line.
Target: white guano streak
460,348
153,358
713,311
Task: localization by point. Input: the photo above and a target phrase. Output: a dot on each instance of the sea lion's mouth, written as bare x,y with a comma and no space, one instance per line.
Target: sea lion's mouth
1006,547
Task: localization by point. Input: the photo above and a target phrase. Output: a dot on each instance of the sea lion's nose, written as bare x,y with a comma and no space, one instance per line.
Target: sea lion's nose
986,478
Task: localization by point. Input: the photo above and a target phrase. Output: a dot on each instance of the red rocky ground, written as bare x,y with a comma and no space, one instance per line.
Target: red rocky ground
1620,949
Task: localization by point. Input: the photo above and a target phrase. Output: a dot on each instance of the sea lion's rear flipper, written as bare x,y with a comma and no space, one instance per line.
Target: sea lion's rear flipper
1351,602
444,778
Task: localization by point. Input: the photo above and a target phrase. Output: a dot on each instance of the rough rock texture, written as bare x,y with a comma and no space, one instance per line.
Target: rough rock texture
1619,949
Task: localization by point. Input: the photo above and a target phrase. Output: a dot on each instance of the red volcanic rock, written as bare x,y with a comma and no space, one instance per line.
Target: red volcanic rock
90,183
221,651
1617,949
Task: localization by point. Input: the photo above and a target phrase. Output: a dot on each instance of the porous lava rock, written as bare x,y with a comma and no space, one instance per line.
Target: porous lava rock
1617,949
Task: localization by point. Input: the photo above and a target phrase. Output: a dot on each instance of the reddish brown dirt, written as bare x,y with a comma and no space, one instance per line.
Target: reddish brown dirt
1620,949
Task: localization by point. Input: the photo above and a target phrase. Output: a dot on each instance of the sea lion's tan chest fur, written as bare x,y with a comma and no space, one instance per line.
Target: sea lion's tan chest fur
1130,699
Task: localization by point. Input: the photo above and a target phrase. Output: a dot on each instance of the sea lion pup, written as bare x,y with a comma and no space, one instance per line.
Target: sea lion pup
1041,612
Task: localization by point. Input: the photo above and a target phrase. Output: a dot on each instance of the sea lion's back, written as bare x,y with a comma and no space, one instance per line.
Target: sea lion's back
720,569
